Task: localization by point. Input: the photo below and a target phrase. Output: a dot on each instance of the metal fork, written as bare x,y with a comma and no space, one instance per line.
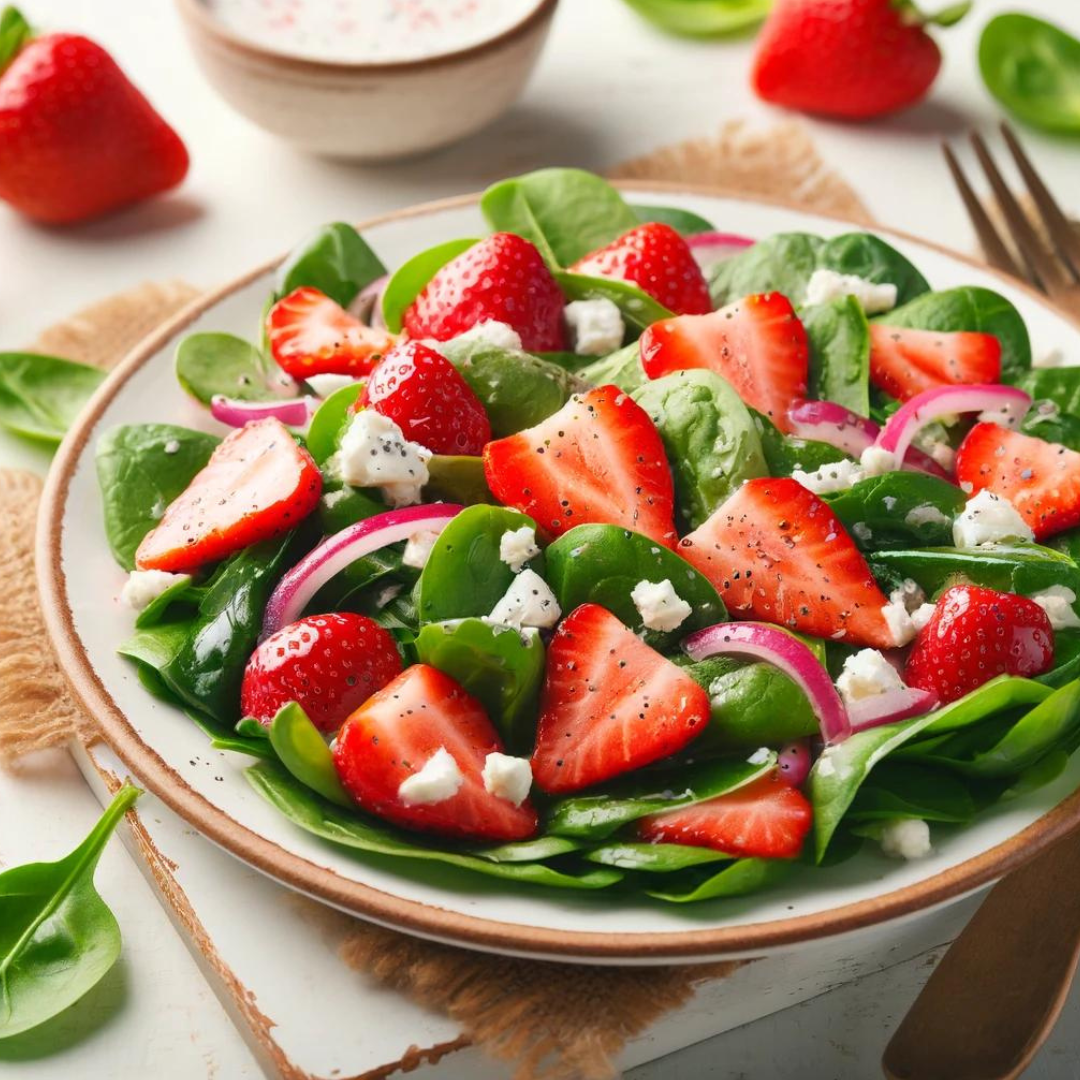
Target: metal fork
1053,269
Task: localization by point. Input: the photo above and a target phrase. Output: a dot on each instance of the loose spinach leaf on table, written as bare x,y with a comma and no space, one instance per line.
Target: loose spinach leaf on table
702,18
141,468
409,279
57,936
683,221
40,396
209,365
336,260
839,338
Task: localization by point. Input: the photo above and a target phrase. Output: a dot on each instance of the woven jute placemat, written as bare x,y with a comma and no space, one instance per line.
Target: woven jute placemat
553,1021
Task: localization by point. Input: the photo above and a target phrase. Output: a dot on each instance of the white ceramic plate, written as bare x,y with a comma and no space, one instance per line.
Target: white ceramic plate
170,756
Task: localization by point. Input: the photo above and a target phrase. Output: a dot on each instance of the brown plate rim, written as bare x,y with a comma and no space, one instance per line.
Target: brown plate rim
415,917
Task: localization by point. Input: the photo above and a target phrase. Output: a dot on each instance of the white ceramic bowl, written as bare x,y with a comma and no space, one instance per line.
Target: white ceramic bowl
368,111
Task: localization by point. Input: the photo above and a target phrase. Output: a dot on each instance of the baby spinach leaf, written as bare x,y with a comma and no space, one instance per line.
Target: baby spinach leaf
499,667
184,592
303,751
141,468
780,263
336,260
15,32
324,432
710,439
57,936
1059,385
1046,421
409,279
869,257
683,221
638,308
457,478
1066,659
40,396
622,368
839,337
341,504
1033,68
702,18
741,878
786,453
601,564
566,213
208,365
653,858
902,789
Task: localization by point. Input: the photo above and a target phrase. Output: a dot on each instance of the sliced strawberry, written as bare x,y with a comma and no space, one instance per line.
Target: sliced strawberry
775,551
257,484
310,334
1041,479
328,664
656,259
501,278
757,344
766,819
906,362
425,395
599,459
609,704
974,635
395,733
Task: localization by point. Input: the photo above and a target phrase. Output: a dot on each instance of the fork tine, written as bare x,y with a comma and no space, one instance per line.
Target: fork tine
1039,260
997,254
1062,232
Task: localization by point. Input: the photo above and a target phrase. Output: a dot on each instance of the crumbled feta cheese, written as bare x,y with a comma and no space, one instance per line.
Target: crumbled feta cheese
325,385
495,335
867,674
518,546
1057,602
906,838
988,519
862,532
418,548
437,781
375,453
826,285
921,616
759,756
384,596
927,514
172,446
897,615
143,587
836,476
659,605
876,461
507,777
596,326
528,602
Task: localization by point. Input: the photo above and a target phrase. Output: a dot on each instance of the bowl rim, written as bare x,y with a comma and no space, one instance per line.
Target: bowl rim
695,943
199,20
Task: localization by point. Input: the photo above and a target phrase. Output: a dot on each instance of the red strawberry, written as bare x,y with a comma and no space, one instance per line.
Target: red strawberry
425,395
328,664
974,635
310,334
766,819
599,459
1041,479
656,259
257,484
906,362
757,344
849,58
76,138
394,734
775,551
501,278
609,704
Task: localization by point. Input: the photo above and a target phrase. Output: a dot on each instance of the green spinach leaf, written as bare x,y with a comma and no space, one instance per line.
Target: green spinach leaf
902,789
1059,385
653,858
622,368
40,396
303,751
741,878
839,337
683,221
324,432
209,365
409,279
702,18
336,260
639,309
869,257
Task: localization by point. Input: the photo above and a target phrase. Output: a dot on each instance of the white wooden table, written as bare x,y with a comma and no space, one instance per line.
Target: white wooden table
607,88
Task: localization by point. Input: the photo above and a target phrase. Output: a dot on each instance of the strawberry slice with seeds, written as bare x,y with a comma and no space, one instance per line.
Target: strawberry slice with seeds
775,551
906,362
659,261
758,344
609,704
310,334
599,459
257,485
1041,479
501,278
765,819
421,715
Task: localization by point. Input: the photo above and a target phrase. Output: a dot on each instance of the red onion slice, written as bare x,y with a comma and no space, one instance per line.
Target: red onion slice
794,761
335,553
760,641
293,412
367,306
710,248
890,707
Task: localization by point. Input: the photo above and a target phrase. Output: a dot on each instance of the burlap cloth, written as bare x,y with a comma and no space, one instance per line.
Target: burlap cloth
553,1021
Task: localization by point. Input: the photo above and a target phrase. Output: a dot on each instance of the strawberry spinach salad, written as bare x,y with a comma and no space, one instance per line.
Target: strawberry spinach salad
608,551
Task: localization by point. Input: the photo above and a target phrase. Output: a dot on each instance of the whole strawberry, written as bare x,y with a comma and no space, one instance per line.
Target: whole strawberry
847,58
974,635
76,138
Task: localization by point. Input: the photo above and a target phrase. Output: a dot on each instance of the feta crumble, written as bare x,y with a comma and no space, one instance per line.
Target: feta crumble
518,546
1057,602
325,385
921,616
927,514
759,756
172,446
418,548
507,777
867,674
143,587
375,453
596,326
659,605
528,602
493,334
826,285
876,461
836,476
988,519
437,781
897,615
906,838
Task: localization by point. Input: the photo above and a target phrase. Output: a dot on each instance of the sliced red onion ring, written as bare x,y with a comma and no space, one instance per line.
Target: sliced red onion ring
890,707
294,412
710,248
760,641
1008,402
367,306
335,553
795,760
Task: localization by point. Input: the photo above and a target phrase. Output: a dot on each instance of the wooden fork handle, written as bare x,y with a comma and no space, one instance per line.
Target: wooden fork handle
995,996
